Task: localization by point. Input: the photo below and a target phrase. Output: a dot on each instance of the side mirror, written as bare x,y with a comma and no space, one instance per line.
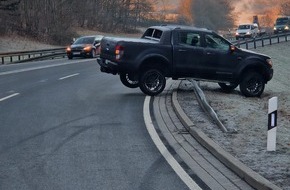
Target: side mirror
97,44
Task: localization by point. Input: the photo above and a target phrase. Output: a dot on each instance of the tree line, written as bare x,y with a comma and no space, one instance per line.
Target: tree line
55,20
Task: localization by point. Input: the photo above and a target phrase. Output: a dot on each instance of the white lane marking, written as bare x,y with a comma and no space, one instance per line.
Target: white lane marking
163,150
40,67
10,96
69,76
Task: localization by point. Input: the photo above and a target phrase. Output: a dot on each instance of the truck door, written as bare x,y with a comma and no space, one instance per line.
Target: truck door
219,63
187,53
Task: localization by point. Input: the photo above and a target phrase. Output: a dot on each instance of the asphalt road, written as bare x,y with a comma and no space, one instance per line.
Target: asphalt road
65,125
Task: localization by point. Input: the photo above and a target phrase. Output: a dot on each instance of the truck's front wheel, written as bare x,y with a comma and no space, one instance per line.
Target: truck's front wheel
252,85
128,80
152,82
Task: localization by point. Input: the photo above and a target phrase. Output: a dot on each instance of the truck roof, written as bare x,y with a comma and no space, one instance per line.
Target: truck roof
176,27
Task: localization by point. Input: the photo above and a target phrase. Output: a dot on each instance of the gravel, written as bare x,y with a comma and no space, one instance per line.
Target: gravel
247,119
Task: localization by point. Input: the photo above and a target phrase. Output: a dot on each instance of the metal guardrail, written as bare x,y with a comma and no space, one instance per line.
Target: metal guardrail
262,41
25,56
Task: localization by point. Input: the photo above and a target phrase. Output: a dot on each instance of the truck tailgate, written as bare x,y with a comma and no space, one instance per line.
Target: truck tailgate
108,48
108,45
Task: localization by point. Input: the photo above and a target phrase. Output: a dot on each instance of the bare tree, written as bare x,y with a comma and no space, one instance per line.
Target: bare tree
8,15
55,20
285,7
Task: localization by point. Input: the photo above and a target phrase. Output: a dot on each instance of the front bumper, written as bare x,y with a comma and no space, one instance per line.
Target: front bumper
271,73
280,30
243,35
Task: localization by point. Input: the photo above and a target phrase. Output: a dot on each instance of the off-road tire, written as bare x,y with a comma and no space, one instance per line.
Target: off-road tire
128,81
252,84
152,82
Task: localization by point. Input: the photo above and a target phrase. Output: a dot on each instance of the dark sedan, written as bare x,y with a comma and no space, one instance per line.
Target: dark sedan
86,46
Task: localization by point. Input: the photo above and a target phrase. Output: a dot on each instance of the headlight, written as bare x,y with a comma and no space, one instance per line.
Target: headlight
248,32
286,27
237,34
88,48
275,28
269,61
68,49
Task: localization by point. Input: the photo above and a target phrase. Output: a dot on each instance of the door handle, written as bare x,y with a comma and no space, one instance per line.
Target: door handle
182,50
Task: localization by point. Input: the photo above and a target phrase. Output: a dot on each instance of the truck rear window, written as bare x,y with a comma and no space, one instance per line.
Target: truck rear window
152,33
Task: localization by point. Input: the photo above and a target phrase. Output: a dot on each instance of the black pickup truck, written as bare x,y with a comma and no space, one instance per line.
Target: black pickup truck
183,52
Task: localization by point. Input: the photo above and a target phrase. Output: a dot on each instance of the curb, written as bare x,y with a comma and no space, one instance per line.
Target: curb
251,177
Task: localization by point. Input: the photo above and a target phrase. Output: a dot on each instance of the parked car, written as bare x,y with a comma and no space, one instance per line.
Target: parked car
282,24
247,31
86,46
183,52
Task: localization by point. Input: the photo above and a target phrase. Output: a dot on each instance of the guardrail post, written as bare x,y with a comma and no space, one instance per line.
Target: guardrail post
272,124
11,60
2,60
255,45
270,40
278,38
247,45
262,41
286,38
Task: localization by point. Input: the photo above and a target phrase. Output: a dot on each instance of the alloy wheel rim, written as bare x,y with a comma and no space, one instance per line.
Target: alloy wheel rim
152,81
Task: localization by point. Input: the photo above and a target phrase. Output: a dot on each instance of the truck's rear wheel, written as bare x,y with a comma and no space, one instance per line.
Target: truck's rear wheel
252,85
128,80
152,82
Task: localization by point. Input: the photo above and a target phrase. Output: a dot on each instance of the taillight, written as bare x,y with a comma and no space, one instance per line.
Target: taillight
119,51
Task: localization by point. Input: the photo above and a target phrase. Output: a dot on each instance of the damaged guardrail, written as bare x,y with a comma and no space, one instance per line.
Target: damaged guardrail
25,56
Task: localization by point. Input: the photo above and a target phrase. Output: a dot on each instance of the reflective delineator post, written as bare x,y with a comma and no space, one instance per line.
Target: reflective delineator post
272,124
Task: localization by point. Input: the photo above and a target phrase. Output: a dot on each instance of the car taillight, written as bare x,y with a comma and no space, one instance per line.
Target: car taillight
119,51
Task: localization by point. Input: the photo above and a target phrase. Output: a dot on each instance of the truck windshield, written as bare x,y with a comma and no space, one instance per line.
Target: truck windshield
280,21
244,27
85,40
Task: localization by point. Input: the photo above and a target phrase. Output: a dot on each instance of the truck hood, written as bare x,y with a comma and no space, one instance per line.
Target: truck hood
243,30
280,25
249,52
80,45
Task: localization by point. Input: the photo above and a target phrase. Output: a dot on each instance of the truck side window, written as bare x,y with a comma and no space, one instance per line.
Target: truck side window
216,42
157,34
153,34
189,38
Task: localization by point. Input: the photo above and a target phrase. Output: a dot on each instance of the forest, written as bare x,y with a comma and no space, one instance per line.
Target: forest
56,21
